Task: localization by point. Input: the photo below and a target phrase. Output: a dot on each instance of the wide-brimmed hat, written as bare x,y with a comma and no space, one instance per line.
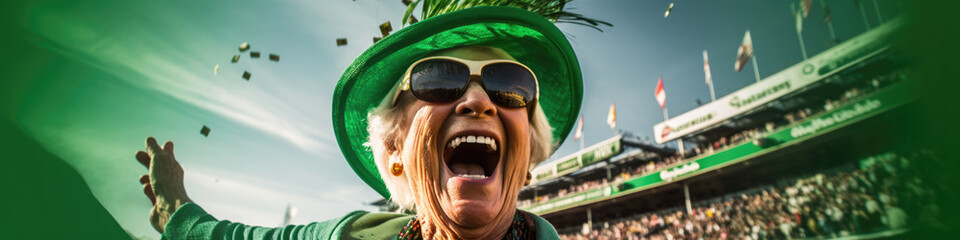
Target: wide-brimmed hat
528,37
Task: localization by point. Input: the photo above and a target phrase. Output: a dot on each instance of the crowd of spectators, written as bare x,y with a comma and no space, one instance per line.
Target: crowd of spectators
883,193
744,136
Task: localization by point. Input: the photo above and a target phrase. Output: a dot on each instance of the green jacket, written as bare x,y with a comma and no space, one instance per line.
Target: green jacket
192,222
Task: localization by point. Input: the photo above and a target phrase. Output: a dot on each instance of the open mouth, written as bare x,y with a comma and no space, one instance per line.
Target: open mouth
472,156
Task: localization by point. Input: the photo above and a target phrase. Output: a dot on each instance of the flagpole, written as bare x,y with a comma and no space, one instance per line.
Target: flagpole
863,13
756,71
877,8
713,95
833,34
796,13
580,153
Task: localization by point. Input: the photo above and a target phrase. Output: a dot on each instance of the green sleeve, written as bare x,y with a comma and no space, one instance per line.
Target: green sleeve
192,222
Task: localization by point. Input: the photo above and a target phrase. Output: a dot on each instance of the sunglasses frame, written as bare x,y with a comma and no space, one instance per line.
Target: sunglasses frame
475,68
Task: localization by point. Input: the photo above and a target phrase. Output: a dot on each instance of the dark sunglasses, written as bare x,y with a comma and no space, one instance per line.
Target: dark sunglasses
445,79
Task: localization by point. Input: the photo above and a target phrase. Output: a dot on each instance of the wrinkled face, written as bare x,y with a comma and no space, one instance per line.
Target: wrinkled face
474,144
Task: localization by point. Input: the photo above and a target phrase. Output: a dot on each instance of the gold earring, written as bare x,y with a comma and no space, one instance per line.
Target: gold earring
528,179
396,168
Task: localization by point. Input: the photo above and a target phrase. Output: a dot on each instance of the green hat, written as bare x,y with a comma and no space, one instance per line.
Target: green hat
527,36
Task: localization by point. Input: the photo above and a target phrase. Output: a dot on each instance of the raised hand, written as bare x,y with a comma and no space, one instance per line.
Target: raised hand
163,184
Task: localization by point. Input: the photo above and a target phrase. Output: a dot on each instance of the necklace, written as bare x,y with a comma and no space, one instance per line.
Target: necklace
519,230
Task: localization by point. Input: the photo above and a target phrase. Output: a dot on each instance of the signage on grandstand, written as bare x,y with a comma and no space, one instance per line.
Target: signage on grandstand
849,113
575,161
574,199
779,84
672,173
835,118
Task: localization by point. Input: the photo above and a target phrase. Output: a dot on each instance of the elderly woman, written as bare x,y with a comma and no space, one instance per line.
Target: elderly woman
445,118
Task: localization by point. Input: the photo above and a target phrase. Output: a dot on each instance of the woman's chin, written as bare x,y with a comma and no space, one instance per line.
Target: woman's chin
473,203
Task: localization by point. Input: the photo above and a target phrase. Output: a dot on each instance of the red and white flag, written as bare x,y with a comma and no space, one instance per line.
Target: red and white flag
744,52
661,95
612,116
706,68
579,133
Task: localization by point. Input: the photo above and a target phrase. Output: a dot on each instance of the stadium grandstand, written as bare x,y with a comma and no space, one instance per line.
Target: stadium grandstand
821,149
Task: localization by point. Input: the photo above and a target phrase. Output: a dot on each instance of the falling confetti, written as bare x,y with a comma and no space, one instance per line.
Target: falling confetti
341,41
669,8
413,19
376,39
235,58
254,54
246,75
216,69
274,57
385,29
244,46
205,131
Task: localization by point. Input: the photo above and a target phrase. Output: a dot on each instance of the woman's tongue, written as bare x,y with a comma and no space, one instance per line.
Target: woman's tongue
467,169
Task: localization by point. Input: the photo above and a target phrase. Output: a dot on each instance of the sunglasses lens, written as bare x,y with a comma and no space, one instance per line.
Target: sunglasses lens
438,80
509,84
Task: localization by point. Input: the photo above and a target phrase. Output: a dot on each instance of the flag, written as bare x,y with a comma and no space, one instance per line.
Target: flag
612,116
744,52
805,7
579,133
706,68
661,95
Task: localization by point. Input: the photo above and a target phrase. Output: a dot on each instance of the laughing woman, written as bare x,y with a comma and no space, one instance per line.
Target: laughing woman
444,117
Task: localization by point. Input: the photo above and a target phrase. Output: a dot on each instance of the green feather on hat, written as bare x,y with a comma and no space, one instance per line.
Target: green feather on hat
525,29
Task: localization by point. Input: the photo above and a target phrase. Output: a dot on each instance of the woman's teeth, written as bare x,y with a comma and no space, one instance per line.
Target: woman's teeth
491,144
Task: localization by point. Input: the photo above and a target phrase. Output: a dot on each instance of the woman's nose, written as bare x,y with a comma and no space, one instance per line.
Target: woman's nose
475,102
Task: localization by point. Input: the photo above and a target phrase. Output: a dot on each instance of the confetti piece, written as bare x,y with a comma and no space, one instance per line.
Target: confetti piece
205,131
216,69
406,2
669,8
244,46
385,29
254,54
341,41
274,57
235,58
413,19
376,39
246,75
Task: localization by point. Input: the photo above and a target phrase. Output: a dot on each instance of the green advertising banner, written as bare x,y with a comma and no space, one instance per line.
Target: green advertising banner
572,200
571,163
849,113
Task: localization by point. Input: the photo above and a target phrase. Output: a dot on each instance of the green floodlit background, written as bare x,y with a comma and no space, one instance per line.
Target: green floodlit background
84,82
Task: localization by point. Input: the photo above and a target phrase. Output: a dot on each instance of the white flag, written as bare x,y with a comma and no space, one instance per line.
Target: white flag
744,52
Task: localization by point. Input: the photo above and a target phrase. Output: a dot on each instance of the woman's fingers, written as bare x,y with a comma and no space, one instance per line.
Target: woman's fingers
144,179
152,147
148,190
168,147
143,158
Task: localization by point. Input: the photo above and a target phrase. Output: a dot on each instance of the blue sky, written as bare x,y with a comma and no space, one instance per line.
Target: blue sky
116,72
